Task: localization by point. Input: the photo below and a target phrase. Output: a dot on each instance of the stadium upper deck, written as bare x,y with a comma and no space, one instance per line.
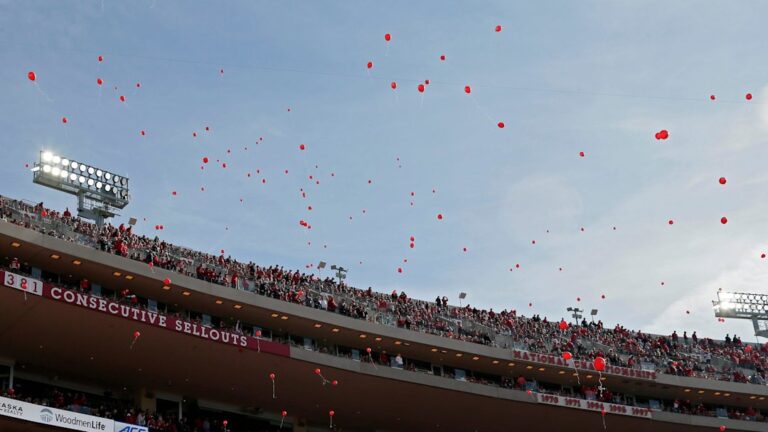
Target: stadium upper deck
284,320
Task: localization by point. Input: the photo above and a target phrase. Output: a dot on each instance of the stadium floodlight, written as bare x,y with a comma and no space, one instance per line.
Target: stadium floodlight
99,192
739,305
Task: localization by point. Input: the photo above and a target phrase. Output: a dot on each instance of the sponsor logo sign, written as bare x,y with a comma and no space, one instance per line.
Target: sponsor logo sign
55,417
125,427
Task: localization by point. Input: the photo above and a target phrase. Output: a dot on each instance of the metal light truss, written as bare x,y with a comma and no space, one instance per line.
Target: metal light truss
739,305
81,179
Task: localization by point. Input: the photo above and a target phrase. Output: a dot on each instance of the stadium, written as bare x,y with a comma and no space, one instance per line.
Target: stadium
101,321
252,216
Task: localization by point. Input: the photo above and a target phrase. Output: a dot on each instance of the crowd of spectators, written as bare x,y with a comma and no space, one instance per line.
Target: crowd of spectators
729,360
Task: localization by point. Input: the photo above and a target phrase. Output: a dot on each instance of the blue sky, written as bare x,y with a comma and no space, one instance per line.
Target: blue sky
564,77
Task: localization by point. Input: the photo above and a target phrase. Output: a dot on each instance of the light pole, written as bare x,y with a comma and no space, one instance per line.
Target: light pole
576,313
749,306
100,193
341,273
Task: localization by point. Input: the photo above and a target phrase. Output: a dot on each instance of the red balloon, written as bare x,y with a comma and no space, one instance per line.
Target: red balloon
142,133
317,371
167,281
64,120
370,65
334,383
567,356
498,28
302,147
662,134
421,88
442,57
101,58
32,76
122,98
399,269
723,180
723,220
581,154
284,413
599,364
440,216
258,333
749,96
368,350
272,376
99,81
500,125
467,89
393,85
671,222
722,428
225,423
331,413
711,97
563,325
426,81
387,37
205,160
136,334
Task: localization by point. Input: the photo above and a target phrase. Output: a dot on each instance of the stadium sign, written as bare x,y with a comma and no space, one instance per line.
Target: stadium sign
590,405
23,283
56,417
552,360
155,319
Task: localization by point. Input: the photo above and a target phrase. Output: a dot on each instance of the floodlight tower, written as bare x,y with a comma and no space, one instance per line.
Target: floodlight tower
744,306
100,193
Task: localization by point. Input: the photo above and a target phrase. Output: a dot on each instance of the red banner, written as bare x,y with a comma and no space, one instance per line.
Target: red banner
582,365
589,405
110,307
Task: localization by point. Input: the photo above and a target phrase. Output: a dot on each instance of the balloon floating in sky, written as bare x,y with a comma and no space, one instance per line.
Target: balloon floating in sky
387,37
122,98
421,88
99,81
32,76
712,97
723,220
722,180
662,134
467,89
581,154
442,57
599,364
64,120
748,96
393,85
302,147
500,125
440,216
205,160
370,65
498,28
101,59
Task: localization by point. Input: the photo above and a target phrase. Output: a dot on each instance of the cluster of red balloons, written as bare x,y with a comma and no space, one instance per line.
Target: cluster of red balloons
662,134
